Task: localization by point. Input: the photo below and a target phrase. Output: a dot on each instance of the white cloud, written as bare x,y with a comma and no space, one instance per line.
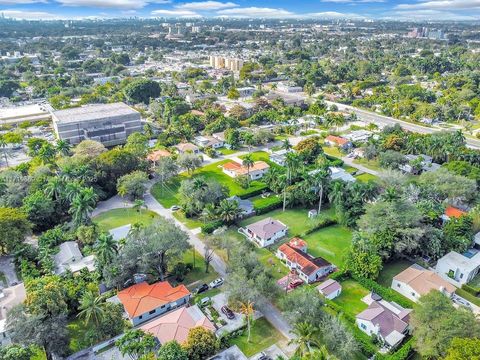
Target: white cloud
256,12
115,4
29,15
427,14
449,5
206,5
175,13
20,2
335,15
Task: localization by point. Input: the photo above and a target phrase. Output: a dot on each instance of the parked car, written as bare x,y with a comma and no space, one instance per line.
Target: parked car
201,289
205,301
294,284
264,356
216,283
229,313
175,208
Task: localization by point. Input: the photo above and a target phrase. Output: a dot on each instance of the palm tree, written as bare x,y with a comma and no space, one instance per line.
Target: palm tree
82,204
306,338
292,161
286,144
63,147
138,205
390,194
55,188
248,162
246,308
320,179
47,153
3,145
72,189
209,212
199,184
249,140
105,248
92,308
320,354
228,211
336,192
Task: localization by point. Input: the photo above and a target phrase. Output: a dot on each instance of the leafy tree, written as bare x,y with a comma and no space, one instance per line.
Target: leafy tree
363,259
14,226
171,350
46,296
233,94
464,349
15,352
200,344
142,91
458,234
196,193
89,149
40,210
83,203
137,144
189,161
296,310
309,148
306,338
166,169
136,343
133,185
232,138
436,322
391,159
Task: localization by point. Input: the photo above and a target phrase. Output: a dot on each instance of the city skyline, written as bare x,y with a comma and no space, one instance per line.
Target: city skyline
403,10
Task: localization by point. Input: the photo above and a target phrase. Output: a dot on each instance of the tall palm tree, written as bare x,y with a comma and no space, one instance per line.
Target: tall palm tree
55,188
306,338
320,354
228,211
63,147
320,180
292,162
286,144
209,212
72,189
47,153
92,308
105,248
3,145
199,184
248,163
82,204
246,308
138,205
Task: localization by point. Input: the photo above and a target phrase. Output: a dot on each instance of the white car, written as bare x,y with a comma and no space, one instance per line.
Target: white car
205,301
216,283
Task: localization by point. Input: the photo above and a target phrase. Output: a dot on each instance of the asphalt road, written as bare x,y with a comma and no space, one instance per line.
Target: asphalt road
378,119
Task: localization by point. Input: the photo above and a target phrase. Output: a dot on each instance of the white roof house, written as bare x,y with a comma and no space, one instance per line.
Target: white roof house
70,258
337,173
265,232
458,268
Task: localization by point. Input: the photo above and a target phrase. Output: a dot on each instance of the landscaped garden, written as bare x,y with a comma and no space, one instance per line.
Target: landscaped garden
262,336
119,217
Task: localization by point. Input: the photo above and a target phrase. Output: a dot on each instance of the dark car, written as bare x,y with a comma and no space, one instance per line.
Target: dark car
229,313
202,289
264,356
294,284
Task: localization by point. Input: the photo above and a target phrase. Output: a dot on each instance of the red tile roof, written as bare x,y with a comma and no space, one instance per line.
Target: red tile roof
307,263
141,298
451,211
337,139
157,154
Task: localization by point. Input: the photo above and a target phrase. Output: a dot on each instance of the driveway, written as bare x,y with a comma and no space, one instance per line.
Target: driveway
273,352
8,269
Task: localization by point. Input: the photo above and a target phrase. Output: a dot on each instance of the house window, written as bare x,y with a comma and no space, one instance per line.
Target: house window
363,326
461,276
398,285
152,312
413,294
140,317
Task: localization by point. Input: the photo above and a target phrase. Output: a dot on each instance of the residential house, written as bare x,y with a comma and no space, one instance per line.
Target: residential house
388,321
9,298
290,99
309,269
246,206
265,232
286,88
337,173
187,147
339,141
458,268
452,212
418,163
176,324
70,258
156,155
220,136
279,157
416,281
256,171
246,91
358,135
208,141
330,289
143,302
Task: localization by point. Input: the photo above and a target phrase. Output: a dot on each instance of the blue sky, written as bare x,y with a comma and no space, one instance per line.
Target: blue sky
372,9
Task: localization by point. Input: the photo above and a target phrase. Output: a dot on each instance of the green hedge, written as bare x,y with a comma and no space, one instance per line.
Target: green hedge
467,296
386,293
333,160
252,193
259,210
211,226
323,223
471,289
402,353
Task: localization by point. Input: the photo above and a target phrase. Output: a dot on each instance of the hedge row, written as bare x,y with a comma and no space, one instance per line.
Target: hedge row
471,289
210,227
259,210
468,296
402,353
333,161
323,223
386,293
252,193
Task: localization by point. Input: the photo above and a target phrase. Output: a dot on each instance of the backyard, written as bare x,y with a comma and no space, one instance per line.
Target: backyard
350,300
263,335
119,217
391,269
197,276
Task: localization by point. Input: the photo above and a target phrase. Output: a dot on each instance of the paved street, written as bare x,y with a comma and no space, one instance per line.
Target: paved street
372,117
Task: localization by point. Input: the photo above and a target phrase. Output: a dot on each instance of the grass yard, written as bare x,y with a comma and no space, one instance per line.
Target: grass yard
391,269
198,275
333,151
331,243
371,164
225,151
296,219
258,201
190,223
351,297
366,177
262,336
119,217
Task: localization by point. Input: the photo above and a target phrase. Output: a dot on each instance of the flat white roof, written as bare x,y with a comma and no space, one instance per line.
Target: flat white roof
461,261
92,112
22,111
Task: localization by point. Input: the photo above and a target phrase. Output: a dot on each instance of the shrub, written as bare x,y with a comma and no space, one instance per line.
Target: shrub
323,223
475,291
467,296
402,353
211,226
254,192
263,209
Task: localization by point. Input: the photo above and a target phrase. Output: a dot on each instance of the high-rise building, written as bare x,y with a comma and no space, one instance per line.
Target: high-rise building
219,62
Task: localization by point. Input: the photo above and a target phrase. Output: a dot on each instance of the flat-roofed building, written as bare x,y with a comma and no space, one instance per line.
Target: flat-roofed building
109,124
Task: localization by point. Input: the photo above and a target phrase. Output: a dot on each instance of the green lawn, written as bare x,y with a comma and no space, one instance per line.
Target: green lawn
296,219
331,243
351,297
198,275
262,336
168,195
258,201
366,177
333,151
119,217
191,223
391,269
38,354
371,164
76,331
225,151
